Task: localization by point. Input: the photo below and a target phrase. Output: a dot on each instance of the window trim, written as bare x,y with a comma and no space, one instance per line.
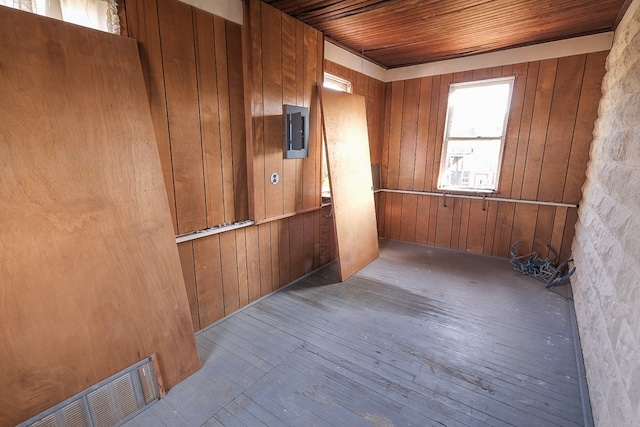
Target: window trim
344,84
503,137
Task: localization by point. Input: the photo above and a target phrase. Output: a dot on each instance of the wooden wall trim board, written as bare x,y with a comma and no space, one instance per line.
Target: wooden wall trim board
91,279
552,114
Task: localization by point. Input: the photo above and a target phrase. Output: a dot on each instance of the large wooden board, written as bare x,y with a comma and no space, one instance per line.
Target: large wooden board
344,119
90,277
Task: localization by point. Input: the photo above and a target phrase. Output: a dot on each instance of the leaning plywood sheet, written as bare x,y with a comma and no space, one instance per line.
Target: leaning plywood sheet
90,277
345,128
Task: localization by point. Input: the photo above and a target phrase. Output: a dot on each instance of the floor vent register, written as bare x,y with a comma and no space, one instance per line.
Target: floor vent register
108,403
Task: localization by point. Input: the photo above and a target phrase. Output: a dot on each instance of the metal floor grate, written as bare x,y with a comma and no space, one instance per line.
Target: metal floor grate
108,403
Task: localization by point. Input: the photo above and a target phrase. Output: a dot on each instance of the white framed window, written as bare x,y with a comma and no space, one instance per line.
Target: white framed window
336,83
474,136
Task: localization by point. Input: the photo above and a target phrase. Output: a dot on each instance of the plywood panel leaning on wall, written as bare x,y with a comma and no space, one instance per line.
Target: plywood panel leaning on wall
344,119
91,278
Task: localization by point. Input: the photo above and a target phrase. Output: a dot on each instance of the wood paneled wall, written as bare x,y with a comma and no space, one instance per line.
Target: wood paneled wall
215,164
552,114
373,91
192,62
284,62
227,271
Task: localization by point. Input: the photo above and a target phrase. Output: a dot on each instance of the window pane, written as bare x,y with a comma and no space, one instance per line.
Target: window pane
336,83
478,111
472,164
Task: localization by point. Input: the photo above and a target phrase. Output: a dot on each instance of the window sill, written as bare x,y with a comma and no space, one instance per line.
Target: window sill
470,191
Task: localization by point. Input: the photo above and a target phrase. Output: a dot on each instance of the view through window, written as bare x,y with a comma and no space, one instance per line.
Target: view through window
474,136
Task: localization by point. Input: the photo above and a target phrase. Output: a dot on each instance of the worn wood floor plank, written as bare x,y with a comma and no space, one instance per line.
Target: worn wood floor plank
420,337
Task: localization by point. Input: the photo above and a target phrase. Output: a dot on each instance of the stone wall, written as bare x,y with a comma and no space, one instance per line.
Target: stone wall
606,248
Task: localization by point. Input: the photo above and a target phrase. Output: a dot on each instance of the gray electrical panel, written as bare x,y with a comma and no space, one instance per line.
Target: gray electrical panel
296,132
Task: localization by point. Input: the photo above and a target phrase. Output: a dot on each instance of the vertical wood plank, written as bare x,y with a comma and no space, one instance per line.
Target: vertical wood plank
424,110
284,243
375,96
275,255
178,53
559,220
533,71
206,253
464,224
386,137
257,111
395,134
312,66
396,215
456,223
587,114
246,32
228,254
524,226
237,118
445,221
264,238
290,97
301,99
224,116
422,221
504,223
544,228
477,227
253,263
492,214
539,126
507,167
445,82
481,74
300,64
388,214
408,217
317,239
308,234
433,220
564,107
185,250
241,257
296,249
432,156
409,132
272,101
209,116
380,199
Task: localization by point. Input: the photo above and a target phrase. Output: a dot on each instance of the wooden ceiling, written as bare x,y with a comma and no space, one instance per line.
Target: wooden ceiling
397,33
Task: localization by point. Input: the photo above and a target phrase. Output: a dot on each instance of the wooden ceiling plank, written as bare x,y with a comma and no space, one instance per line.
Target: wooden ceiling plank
433,30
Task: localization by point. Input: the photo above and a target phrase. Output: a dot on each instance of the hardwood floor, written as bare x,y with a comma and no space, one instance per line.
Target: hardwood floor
420,337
